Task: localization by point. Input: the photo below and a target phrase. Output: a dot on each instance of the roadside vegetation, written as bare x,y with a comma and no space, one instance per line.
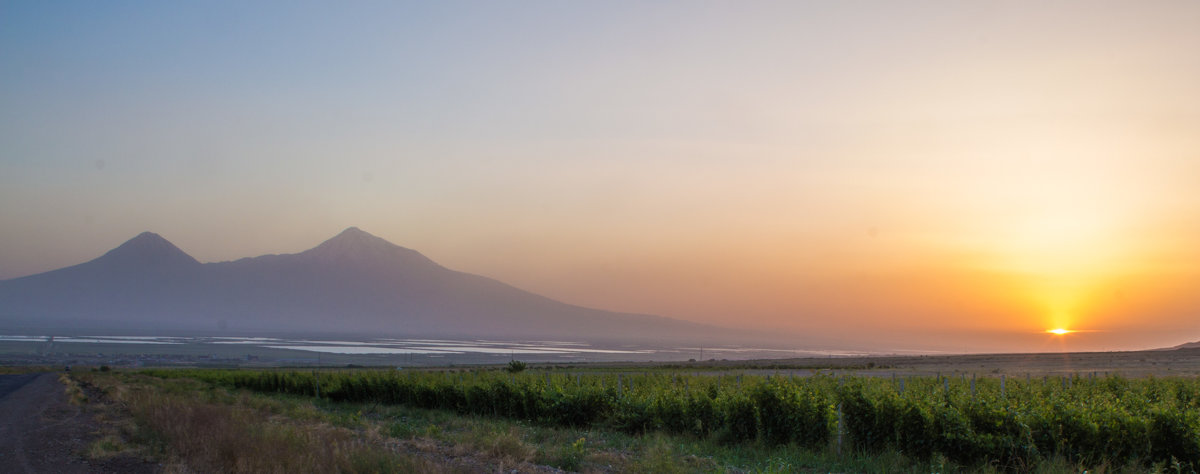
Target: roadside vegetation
193,426
484,420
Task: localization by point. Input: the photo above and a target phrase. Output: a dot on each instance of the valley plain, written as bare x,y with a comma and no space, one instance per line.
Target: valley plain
311,351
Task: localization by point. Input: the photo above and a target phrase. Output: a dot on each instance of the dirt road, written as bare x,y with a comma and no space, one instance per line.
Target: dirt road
40,432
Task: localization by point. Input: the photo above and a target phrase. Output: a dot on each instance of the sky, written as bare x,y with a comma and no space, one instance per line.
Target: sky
933,175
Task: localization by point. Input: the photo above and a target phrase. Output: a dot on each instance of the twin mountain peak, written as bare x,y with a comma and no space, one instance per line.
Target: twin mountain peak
352,244
354,282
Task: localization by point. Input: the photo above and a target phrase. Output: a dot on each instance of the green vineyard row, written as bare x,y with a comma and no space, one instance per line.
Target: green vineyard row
1013,422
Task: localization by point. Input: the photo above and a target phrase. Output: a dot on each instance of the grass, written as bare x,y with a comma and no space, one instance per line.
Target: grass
110,445
199,428
196,426
588,450
75,394
592,450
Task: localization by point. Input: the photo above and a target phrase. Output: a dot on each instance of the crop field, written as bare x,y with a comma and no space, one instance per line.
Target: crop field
1010,423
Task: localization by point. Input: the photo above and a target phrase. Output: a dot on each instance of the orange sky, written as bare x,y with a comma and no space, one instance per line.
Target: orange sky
896,175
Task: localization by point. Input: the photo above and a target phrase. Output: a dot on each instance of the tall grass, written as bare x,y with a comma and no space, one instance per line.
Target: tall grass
207,431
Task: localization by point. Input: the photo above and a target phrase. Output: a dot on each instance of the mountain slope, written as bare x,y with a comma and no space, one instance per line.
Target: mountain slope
143,274
352,283
1186,345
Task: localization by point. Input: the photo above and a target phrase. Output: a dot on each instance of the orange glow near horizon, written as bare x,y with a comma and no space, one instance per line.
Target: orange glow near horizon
921,192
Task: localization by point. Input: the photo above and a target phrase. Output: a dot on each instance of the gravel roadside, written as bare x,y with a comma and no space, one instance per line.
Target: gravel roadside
40,432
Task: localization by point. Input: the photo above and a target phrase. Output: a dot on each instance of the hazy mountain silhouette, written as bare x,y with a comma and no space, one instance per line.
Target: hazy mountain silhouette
1186,345
352,283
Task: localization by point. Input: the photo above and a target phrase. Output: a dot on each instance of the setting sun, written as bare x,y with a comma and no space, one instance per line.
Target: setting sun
1059,331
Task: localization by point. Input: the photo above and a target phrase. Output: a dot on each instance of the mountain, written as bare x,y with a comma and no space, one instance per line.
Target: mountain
1186,345
353,283
146,252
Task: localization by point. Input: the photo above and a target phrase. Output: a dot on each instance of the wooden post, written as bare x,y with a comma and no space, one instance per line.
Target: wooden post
840,423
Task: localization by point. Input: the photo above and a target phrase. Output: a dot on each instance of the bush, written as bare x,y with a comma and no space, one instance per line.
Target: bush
515,366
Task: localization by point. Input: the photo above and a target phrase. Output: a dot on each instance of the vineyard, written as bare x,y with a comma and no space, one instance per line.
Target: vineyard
1012,423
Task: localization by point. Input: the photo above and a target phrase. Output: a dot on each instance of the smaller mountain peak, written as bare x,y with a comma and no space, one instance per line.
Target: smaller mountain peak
357,237
147,237
148,248
148,241
352,230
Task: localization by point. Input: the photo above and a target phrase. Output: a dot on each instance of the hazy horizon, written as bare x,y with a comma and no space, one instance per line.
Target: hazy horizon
930,173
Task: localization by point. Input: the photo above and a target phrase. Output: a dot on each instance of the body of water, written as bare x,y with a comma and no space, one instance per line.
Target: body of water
464,351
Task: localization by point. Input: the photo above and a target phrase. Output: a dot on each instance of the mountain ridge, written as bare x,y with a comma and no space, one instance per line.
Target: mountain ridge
352,282
1186,345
